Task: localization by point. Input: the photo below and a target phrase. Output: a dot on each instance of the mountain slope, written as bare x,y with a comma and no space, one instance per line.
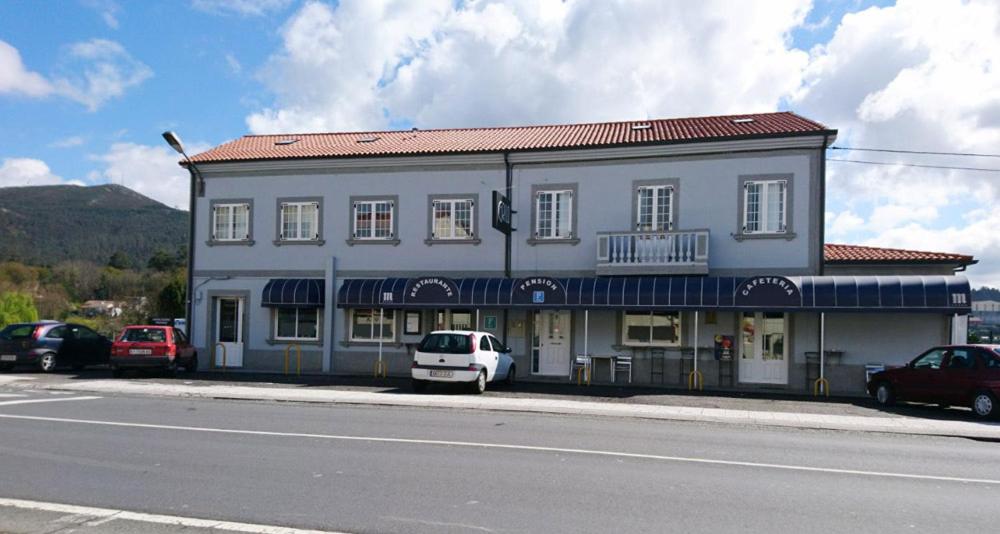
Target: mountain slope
44,225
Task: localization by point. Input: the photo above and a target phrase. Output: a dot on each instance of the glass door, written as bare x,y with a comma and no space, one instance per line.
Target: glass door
763,348
229,332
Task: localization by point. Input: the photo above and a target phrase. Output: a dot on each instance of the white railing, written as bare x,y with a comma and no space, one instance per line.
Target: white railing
653,249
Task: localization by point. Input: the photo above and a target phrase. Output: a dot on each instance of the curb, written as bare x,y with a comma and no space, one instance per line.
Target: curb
894,425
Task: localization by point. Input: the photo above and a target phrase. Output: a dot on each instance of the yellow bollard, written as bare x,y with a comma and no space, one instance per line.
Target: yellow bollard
298,358
223,356
381,369
696,380
821,383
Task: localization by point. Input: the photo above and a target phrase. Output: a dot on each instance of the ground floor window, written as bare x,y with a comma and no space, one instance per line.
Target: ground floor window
299,324
651,329
453,320
367,324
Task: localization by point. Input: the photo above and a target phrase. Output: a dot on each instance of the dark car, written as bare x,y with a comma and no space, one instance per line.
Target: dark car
50,344
953,375
152,347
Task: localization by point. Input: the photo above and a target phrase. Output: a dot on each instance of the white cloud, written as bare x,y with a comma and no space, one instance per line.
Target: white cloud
364,63
840,225
240,7
90,72
234,64
68,142
17,172
99,70
150,170
16,78
107,9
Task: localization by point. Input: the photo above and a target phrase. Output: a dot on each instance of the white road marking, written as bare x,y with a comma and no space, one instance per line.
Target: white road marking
103,515
533,448
8,379
11,395
53,399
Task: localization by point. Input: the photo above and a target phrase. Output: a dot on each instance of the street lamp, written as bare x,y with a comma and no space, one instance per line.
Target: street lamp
175,142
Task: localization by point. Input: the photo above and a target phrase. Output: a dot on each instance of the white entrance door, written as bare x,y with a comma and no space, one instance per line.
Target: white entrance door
763,348
551,342
229,331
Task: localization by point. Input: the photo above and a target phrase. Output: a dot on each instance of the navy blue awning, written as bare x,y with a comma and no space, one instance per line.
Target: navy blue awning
294,293
945,294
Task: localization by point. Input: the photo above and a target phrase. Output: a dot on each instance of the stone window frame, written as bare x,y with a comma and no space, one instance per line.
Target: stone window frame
674,184
212,242
392,240
279,240
474,240
789,232
574,188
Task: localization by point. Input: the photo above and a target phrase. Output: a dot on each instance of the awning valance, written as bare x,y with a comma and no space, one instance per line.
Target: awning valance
294,293
947,294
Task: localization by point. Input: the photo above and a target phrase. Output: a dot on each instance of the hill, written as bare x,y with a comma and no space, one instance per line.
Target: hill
44,225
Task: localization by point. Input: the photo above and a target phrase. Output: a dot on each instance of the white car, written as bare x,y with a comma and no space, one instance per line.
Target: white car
465,356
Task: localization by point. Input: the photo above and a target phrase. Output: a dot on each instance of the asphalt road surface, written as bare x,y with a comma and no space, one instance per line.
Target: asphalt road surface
368,469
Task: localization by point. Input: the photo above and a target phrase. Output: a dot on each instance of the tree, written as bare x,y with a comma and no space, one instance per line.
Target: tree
163,261
170,301
120,260
17,307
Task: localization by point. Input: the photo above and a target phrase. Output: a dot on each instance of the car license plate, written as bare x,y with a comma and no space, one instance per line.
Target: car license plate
8,358
442,374
140,352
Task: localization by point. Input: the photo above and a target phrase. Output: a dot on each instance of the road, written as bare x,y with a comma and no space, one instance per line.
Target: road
372,469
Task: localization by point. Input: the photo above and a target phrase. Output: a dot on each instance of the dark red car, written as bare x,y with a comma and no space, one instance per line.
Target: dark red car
953,375
156,347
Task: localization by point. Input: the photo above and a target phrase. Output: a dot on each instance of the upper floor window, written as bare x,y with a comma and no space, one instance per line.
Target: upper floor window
654,205
453,218
373,219
299,221
765,206
231,222
554,214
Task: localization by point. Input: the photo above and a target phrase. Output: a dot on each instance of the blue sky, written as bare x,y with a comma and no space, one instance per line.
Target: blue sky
86,87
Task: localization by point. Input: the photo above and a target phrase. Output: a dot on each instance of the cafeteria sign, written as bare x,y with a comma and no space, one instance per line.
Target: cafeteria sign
768,292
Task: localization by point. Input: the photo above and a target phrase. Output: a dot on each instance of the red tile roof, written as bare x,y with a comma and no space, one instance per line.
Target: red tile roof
859,254
513,138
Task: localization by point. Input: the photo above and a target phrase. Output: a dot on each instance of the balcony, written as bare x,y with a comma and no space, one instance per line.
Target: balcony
638,253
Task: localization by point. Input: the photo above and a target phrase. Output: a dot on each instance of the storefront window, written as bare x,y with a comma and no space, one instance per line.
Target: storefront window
658,329
294,323
453,320
365,325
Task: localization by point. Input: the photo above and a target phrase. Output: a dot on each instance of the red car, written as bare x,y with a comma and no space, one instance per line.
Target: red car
959,375
156,347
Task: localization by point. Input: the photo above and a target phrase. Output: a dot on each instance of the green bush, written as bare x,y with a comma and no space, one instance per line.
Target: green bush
16,307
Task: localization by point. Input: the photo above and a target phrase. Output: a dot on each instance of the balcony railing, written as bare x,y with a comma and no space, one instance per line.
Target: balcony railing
684,252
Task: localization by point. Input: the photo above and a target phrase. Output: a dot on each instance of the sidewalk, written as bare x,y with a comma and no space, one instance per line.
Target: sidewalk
882,422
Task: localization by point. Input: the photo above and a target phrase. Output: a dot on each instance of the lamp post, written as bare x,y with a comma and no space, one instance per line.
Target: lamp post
175,142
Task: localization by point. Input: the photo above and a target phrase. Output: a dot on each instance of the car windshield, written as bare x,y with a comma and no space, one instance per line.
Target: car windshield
17,331
145,335
446,344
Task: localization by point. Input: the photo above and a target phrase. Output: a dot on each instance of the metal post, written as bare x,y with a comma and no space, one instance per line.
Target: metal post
586,354
381,320
696,341
822,349
477,319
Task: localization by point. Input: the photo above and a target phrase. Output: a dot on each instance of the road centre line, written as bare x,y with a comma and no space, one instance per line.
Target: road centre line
105,515
532,448
50,399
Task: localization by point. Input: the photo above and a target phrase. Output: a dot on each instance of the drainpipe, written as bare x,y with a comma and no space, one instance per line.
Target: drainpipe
822,207
508,240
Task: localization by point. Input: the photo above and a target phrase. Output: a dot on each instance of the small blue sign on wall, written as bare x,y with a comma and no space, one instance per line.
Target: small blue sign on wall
538,297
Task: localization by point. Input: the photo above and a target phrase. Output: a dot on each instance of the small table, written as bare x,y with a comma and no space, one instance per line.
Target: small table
611,362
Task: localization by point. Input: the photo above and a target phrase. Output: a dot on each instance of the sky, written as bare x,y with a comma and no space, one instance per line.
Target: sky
88,86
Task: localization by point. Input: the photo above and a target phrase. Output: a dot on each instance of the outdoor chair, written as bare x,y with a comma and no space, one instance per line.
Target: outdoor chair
623,362
582,367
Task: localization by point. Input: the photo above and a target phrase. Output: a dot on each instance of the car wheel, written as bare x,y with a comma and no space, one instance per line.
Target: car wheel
47,363
511,376
984,405
479,385
171,368
419,386
192,364
884,394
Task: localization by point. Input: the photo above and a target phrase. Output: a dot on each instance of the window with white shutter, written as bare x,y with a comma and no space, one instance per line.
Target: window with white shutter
231,222
554,214
299,221
654,205
765,206
452,219
373,219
